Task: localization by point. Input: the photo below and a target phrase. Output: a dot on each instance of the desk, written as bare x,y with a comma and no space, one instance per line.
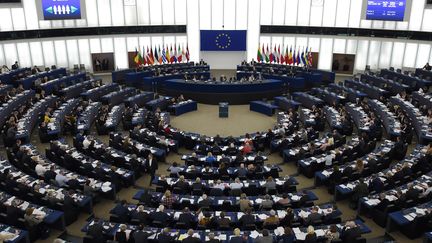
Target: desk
75,90
183,107
27,82
22,237
262,107
234,93
351,94
139,100
52,85
119,76
9,77
413,82
285,104
161,103
96,93
307,100
118,97
29,120
13,104
372,91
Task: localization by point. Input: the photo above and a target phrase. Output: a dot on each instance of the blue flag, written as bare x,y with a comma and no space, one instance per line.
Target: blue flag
223,40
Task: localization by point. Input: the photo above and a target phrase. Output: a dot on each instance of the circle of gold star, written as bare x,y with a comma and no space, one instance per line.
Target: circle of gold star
223,41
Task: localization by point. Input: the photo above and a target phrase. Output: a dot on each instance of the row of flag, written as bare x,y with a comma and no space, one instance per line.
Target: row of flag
172,54
276,55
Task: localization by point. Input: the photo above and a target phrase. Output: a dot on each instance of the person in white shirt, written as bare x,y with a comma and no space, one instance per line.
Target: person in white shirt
40,169
219,185
86,143
61,179
236,184
328,159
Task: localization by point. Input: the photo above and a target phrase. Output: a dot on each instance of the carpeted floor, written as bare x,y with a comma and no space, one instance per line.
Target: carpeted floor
206,121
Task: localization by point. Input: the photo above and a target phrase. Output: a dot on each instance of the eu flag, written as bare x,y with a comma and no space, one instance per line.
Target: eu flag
223,40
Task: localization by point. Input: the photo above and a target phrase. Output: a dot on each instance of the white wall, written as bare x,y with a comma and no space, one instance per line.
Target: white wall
223,60
65,52
376,52
213,14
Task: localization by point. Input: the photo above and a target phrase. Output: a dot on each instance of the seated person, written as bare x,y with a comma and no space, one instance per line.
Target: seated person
160,215
223,221
272,220
140,215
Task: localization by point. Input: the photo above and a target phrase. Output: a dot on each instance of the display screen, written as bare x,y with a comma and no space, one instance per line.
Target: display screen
61,9
391,10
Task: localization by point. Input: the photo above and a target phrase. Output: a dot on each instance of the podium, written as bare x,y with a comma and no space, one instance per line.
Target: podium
223,109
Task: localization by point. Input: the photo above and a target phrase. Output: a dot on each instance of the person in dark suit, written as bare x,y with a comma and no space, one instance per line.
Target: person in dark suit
122,211
359,191
399,149
411,193
191,238
96,231
247,218
141,236
197,185
115,177
151,167
205,202
99,171
182,184
384,202
162,182
237,238
376,184
186,217
73,183
140,215
165,236
223,222
70,207
350,232
313,217
160,215
212,238
50,174
13,213
120,235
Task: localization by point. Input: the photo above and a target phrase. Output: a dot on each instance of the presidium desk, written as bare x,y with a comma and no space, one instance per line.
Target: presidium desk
233,93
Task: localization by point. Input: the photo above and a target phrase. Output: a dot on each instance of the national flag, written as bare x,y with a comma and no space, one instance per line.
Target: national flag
302,58
137,58
282,56
298,57
310,61
187,53
262,53
179,54
174,54
156,55
267,54
168,54
144,56
275,55
271,56
286,56
279,54
259,57
161,55
151,57
290,56
294,60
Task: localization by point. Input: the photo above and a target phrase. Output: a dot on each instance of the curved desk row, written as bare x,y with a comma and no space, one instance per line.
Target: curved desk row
213,93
